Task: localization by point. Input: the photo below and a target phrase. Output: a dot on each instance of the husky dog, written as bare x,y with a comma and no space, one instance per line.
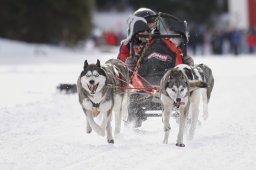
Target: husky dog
100,93
177,93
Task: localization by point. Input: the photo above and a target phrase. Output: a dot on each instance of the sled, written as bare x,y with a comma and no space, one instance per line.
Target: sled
157,57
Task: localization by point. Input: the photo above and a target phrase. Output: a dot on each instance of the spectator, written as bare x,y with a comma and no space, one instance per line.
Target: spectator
235,41
251,40
110,38
217,42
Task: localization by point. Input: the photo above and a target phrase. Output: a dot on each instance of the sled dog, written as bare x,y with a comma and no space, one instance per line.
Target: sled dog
99,95
180,90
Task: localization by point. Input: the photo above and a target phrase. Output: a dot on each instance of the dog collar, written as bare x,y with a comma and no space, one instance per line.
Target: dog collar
95,104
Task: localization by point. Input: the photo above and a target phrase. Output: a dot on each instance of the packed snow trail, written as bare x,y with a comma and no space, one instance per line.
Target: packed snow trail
41,128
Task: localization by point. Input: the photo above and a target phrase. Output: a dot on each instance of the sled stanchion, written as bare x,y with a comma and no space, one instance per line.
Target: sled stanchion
155,36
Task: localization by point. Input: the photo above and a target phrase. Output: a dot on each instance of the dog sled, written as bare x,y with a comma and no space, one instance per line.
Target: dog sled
158,56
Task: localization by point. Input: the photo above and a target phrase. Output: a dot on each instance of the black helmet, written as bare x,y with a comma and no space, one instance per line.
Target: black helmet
146,13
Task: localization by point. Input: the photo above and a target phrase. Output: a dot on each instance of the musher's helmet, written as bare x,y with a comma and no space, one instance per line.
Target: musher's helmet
146,13
142,20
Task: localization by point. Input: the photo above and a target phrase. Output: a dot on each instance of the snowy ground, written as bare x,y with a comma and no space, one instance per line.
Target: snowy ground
41,128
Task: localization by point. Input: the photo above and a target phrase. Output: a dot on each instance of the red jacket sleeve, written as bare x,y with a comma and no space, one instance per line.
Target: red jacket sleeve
124,52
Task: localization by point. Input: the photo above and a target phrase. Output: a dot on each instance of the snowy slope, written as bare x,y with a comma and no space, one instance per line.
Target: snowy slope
41,128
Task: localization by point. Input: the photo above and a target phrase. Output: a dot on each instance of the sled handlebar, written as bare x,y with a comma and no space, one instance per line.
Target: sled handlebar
155,36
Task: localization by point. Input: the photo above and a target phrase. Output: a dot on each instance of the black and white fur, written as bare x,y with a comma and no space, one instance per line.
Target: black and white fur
179,91
100,90
203,73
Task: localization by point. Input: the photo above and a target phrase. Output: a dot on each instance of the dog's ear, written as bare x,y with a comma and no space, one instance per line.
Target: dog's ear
98,63
171,75
85,64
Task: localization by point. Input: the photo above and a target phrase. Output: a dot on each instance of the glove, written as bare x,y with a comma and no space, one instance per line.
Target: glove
188,60
131,62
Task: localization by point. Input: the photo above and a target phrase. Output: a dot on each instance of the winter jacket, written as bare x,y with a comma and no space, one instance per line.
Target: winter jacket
124,53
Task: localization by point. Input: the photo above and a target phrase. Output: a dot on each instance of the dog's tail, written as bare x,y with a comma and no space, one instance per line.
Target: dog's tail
67,88
195,84
210,86
208,78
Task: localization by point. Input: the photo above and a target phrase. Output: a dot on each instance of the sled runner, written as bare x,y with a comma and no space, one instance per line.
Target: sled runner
163,50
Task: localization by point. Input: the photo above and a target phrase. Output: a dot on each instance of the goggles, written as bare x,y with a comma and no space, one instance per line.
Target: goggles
151,18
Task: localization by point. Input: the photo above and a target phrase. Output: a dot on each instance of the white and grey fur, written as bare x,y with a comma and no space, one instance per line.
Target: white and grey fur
180,91
101,91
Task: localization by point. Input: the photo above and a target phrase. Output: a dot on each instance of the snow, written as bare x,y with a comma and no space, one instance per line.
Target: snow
41,128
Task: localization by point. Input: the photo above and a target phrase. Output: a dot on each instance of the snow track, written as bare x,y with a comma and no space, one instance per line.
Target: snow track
41,128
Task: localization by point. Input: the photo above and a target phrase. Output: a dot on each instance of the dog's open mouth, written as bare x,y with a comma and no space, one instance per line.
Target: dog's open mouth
177,104
93,87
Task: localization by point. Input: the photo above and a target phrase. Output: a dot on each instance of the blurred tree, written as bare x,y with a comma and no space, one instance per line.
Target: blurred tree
106,5
195,11
46,21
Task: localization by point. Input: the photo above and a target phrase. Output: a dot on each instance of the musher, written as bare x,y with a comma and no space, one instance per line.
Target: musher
143,21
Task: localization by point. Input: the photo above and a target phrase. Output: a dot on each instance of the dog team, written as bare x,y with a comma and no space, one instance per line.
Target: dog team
102,91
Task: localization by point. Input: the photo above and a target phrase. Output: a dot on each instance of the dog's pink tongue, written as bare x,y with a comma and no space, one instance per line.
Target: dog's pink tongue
93,88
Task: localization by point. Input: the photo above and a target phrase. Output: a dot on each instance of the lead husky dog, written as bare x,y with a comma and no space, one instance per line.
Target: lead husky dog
99,95
179,90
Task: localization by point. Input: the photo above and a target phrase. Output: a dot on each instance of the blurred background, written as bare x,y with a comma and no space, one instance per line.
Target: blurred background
215,26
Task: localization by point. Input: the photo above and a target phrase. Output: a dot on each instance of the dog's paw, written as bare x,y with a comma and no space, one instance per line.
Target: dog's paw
180,144
88,131
167,129
111,141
